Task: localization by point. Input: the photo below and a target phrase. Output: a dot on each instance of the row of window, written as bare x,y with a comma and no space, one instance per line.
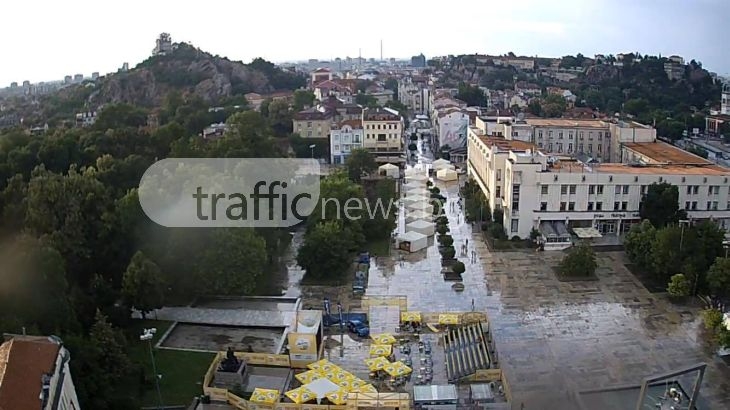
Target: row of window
570,148
345,147
381,137
623,189
355,138
570,135
377,126
624,205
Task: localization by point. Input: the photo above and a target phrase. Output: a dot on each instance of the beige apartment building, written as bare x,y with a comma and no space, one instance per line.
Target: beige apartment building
313,123
383,129
554,196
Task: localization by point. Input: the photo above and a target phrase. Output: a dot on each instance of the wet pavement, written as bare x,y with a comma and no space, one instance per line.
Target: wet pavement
553,338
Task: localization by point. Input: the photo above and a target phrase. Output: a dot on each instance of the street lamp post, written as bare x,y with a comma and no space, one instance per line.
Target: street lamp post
682,224
147,335
311,147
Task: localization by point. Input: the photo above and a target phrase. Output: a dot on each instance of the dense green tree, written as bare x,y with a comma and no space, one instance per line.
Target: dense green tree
280,118
359,162
718,279
303,99
638,245
679,286
392,84
534,107
380,219
660,205
143,286
553,106
471,95
120,116
579,262
326,251
398,106
366,100
248,136
232,263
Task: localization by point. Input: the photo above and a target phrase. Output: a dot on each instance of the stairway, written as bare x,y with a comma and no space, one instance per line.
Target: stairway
466,351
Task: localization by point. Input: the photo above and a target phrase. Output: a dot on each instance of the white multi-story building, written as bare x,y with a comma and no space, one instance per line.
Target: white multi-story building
35,374
383,131
414,94
538,191
344,137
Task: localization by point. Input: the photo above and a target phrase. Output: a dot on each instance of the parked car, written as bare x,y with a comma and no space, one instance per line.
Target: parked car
359,328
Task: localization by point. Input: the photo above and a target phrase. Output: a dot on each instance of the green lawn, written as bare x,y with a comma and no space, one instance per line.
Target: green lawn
182,372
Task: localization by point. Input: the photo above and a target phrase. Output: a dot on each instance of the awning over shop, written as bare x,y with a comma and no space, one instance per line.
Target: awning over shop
384,339
587,233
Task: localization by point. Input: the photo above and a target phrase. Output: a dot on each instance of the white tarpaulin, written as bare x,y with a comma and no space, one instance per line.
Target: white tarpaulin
420,206
447,175
389,170
439,163
416,215
412,241
422,227
414,199
416,178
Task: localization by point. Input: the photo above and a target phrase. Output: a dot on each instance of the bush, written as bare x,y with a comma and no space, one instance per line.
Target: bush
446,240
579,262
442,220
712,318
458,268
412,147
414,137
496,231
498,216
679,286
448,252
485,226
429,183
442,229
435,190
515,239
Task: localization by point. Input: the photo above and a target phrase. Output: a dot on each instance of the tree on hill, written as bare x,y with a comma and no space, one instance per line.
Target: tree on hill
278,78
303,99
660,205
553,106
471,95
366,100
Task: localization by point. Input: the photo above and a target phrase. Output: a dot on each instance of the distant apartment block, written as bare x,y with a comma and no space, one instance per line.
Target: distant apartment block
86,119
163,45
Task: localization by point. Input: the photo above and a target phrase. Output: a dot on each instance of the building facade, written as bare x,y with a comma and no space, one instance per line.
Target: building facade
344,137
536,191
312,123
383,129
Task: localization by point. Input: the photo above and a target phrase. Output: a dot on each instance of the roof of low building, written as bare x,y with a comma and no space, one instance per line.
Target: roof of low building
312,115
567,123
505,144
665,153
354,124
23,362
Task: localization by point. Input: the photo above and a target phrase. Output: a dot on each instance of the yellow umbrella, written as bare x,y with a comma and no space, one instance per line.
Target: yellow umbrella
357,382
300,395
343,375
323,365
410,316
309,376
448,319
337,396
345,384
377,363
267,396
384,339
397,369
366,388
380,350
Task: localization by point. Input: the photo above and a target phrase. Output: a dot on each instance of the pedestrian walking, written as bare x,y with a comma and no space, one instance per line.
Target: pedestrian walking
467,241
472,305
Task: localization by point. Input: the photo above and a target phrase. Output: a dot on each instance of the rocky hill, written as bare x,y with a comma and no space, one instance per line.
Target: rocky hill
189,71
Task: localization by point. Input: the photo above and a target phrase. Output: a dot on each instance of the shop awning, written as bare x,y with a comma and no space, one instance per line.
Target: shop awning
587,233
380,350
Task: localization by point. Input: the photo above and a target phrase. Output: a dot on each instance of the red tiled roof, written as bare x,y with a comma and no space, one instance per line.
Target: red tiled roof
322,70
23,362
312,115
354,124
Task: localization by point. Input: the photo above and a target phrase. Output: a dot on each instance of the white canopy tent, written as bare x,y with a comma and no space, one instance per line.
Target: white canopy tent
418,191
417,178
447,175
418,214
414,171
412,241
440,163
321,387
420,206
412,199
422,227
389,170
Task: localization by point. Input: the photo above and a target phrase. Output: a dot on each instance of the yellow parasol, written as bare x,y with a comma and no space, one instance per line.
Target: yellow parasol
337,397
345,384
309,376
410,317
377,363
384,339
343,375
366,388
300,395
380,350
358,382
448,319
266,396
323,365
397,369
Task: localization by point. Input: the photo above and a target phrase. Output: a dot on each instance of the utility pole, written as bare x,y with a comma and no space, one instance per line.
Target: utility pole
147,335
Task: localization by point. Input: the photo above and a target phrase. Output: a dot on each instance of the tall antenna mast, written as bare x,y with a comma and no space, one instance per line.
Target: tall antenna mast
359,59
381,50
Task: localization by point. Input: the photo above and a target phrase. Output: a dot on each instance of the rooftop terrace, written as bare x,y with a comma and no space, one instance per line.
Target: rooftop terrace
662,152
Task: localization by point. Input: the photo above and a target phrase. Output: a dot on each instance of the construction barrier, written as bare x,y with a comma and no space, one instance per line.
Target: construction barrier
400,301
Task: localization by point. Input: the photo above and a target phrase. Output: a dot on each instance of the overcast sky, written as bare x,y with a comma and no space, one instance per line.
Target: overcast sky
47,39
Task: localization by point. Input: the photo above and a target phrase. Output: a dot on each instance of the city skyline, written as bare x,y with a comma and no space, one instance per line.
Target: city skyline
84,40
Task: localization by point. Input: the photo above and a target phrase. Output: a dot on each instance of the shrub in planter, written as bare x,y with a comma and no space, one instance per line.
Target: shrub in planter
447,252
458,267
446,240
496,231
712,318
414,137
679,286
429,184
579,262
448,262
442,220
442,229
412,147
